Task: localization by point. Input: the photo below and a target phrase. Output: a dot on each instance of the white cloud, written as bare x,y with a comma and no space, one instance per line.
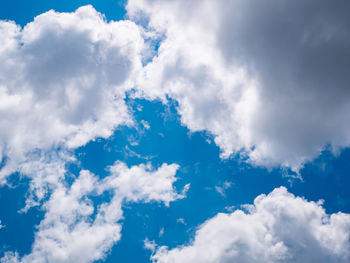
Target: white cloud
279,227
161,232
46,170
269,80
1,225
145,124
181,221
63,79
221,189
71,232
141,183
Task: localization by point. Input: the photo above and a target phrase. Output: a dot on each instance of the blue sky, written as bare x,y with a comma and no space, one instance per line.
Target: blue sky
169,129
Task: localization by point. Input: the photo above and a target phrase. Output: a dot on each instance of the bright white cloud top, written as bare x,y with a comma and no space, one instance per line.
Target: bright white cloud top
279,227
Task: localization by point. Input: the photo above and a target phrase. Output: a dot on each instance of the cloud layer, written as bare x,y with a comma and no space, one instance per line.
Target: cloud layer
269,80
279,227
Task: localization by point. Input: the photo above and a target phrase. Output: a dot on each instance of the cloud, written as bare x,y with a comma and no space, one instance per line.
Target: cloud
269,80
181,221
140,183
63,80
221,189
75,229
46,171
278,227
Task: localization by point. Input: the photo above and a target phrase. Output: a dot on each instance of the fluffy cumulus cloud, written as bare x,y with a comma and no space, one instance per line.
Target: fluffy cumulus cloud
279,227
63,79
140,183
269,80
75,229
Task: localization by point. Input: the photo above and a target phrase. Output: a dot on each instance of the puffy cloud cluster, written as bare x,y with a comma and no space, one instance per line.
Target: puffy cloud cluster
269,80
279,227
63,79
74,230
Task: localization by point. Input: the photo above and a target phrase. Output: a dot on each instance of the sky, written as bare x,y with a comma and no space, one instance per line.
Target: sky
174,131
